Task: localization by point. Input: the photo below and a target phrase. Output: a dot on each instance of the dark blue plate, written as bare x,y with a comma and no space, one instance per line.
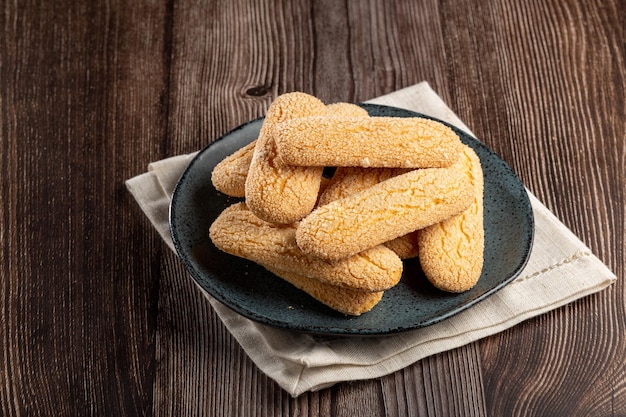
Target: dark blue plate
253,292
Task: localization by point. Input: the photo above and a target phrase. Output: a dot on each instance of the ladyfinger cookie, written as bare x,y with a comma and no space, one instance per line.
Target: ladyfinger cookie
349,180
384,142
229,175
239,232
405,246
451,252
344,300
385,211
275,191
346,110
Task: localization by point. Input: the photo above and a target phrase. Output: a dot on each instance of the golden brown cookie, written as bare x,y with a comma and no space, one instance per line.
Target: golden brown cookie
346,110
451,252
385,211
229,176
383,142
405,246
344,300
275,191
239,232
349,180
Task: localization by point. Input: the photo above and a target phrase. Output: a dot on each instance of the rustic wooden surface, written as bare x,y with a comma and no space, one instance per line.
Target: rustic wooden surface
99,318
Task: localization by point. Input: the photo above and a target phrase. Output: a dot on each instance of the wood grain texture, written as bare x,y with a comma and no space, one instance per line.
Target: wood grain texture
446,384
81,112
97,317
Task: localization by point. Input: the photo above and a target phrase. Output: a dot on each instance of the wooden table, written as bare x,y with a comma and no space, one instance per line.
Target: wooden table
98,317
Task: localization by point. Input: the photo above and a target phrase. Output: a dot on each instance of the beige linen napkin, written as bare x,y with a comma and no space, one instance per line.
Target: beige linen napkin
560,269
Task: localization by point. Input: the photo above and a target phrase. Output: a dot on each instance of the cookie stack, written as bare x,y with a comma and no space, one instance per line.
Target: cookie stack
402,187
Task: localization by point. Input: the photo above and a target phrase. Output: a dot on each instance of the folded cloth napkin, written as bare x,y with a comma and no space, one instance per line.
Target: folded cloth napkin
560,269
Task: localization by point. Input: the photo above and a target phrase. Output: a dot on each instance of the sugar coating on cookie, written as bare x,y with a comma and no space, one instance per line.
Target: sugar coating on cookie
451,252
384,142
239,232
404,246
349,180
346,110
385,211
276,191
229,175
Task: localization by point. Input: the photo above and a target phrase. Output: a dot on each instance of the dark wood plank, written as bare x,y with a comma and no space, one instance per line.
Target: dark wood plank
446,384
81,111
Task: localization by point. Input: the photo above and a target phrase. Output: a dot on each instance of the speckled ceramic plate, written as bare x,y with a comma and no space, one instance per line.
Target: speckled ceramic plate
259,295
